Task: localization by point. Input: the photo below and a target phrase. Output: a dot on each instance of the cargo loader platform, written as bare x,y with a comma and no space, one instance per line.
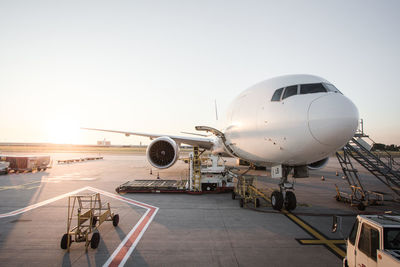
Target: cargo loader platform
166,186
212,178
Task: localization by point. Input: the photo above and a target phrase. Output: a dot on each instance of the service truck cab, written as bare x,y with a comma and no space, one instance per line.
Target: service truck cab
374,240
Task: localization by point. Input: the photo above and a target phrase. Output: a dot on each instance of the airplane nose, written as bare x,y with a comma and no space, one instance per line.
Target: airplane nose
332,119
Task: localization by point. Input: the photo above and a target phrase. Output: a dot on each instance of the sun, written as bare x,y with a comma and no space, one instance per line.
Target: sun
63,131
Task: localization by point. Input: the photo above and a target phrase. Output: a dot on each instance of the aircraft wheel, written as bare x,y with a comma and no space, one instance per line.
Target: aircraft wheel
276,200
115,220
233,195
291,202
64,241
241,202
94,242
257,202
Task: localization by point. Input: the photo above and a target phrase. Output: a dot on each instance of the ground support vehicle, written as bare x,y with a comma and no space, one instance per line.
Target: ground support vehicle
247,191
359,197
374,241
89,213
27,163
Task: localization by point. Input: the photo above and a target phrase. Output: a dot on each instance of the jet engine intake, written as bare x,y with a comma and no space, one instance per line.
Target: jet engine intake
162,152
318,164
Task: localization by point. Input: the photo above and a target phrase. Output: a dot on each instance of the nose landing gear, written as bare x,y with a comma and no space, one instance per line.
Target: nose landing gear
284,197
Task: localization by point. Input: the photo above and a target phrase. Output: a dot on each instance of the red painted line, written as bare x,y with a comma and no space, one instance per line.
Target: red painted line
131,240
134,202
125,249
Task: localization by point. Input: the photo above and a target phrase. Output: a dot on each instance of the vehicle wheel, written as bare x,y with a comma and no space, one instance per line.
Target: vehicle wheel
64,241
361,206
276,200
94,242
115,219
257,202
291,202
241,202
233,195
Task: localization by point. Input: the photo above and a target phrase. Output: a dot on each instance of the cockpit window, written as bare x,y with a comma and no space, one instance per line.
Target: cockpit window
312,88
289,91
331,88
277,95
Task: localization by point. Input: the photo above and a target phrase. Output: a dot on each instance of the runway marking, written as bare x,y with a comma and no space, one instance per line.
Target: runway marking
319,238
126,247
40,204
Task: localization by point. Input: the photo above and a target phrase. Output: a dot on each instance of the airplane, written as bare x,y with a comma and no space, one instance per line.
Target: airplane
291,122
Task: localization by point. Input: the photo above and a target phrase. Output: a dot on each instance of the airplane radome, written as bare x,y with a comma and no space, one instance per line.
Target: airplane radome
295,121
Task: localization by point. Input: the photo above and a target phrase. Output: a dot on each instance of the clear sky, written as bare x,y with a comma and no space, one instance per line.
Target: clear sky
158,66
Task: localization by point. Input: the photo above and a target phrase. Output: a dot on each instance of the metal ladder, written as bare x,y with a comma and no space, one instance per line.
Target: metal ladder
385,173
196,169
351,175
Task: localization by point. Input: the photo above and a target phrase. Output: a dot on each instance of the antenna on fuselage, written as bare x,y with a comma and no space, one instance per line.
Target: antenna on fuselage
216,110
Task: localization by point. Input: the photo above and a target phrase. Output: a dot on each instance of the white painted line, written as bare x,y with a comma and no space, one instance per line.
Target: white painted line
126,247
40,204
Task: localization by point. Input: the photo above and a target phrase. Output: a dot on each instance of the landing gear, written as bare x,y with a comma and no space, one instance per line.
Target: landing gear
290,201
277,200
289,196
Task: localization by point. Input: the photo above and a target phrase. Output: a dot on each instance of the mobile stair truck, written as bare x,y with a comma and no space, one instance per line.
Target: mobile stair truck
373,241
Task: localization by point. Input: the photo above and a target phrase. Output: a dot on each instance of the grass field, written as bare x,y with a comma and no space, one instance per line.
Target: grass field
76,148
71,148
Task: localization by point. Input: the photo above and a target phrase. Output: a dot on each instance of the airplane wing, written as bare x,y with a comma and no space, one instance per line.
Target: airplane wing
205,143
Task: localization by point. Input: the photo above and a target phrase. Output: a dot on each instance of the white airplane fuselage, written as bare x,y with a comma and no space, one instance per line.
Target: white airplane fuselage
297,130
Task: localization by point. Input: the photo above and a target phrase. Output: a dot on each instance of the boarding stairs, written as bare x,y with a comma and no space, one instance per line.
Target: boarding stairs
386,172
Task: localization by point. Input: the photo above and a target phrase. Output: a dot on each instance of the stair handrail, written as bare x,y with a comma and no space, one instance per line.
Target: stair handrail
387,168
391,160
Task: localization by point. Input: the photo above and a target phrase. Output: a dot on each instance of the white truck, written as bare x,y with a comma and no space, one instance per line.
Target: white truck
374,240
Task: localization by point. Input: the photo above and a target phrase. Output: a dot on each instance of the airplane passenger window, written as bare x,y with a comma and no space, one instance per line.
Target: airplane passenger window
289,91
312,88
277,95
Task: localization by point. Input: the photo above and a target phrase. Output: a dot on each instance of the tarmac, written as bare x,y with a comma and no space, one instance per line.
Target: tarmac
172,229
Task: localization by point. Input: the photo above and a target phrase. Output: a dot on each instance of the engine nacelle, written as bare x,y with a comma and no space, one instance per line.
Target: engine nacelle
162,152
318,164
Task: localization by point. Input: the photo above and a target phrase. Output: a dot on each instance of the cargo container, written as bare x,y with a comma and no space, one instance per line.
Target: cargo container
27,163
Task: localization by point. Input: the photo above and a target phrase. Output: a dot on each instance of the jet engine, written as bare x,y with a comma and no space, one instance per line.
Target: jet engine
162,152
318,164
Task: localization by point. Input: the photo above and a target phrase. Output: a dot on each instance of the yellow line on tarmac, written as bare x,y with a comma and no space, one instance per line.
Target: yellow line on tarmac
319,238
322,242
